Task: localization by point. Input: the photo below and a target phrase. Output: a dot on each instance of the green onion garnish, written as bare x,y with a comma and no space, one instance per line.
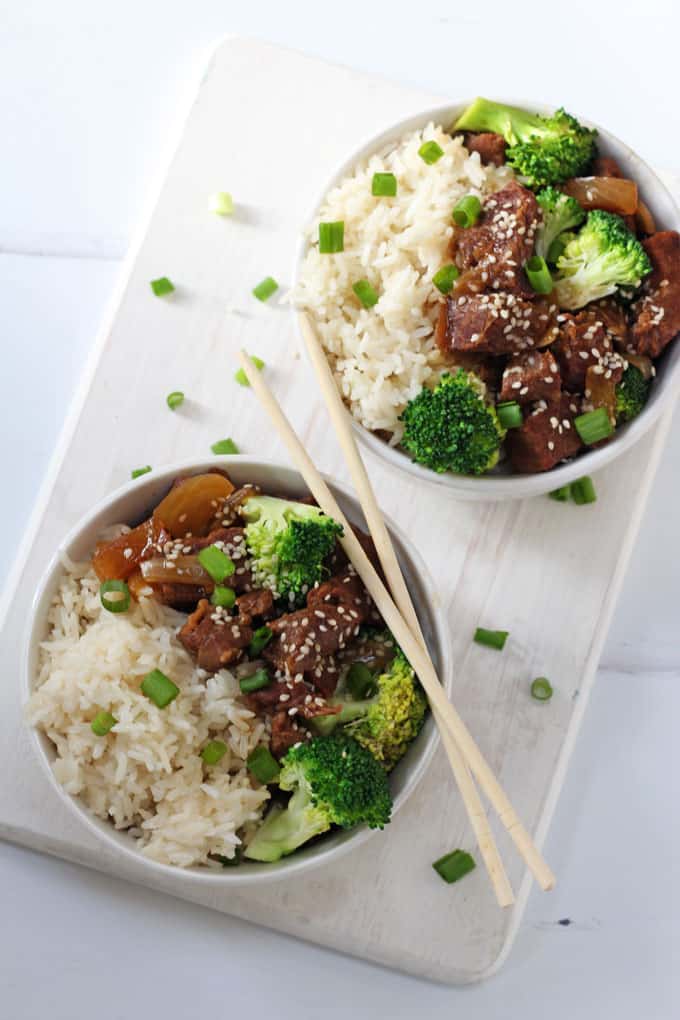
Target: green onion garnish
538,275
213,752
593,426
331,237
102,723
138,472
561,494
114,596
255,682
509,414
241,377
583,491
555,250
365,292
360,681
216,563
174,399
430,152
222,596
261,638
445,278
221,203
491,638
263,765
159,688
453,866
162,286
224,446
266,288
384,185
541,689
466,212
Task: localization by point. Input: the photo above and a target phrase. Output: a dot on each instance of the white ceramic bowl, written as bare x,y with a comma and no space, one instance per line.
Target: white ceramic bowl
131,504
502,484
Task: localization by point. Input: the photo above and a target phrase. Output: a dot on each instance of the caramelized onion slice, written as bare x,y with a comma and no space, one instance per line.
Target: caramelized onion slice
119,558
183,570
601,392
192,505
615,194
644,220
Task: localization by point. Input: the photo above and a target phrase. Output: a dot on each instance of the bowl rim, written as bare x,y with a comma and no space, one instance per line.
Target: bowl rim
118,840
511,486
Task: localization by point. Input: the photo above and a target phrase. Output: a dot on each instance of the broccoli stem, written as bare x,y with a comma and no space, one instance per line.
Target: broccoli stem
286,828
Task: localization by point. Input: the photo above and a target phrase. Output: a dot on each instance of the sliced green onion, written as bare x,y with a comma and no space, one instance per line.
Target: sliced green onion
224,446
331,237
174,399
541,689
255,682
213,752
509,414
216,563
555,250
266,288
384,185
159,688
102,723
538,275
162,286
221,203
263,765
261,638
114,596
222,596
138,472
561,494
365,292
430,152
360,681
583,491
453,866
445,278
466,212
593,426
241,377
491,638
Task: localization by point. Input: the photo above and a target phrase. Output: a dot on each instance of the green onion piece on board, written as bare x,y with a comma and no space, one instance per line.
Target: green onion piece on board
263,765
445,278
174,399
466,212
222,596
114,596
221,203
430,152
509,414
365,292
384,185
162,286
159,688
538,275
594,426
213,752
541,689
261,638
265,289
102,723
491,638
255,682
583,491
561,494
241,377
138,472
331,237
216,563
360,682
224,446
453,866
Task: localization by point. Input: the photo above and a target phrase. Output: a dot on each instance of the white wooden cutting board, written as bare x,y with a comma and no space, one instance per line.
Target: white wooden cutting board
269,125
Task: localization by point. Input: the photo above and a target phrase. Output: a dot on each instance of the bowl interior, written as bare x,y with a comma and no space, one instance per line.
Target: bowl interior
502,483
132,504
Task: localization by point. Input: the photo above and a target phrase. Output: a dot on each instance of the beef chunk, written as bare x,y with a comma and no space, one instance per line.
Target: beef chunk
285,733
498,323
547,436
614,319
287,702
584,341
258,603
215,638
531,377
657,312
490,146
606,166
179,596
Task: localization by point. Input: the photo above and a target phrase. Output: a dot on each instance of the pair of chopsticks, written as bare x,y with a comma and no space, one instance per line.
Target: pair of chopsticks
399,615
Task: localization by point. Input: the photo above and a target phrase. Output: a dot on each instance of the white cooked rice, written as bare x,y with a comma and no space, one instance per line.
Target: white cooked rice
146,775
383,356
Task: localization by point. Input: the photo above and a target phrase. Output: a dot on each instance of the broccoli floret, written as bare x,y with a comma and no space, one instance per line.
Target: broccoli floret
387,722
288,543
603,255
543,150
631,394
560,213
334,781
451,428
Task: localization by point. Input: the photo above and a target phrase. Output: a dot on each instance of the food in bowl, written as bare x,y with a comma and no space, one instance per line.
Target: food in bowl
493,297
217,682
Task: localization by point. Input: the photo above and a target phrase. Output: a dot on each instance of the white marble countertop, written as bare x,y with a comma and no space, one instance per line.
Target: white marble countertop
94,93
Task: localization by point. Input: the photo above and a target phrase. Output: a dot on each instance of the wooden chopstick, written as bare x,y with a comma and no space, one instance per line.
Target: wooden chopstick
396,623
395,579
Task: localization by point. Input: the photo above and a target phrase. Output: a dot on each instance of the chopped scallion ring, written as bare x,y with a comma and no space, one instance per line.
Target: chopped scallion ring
223,596
430,152
261,638
594,426
213,752
216,563
491,638
102,723
221,203
174,399
445,278
384,185
538,275
365,292
159,688
162,286
453,866
224,446
263,765
541,689
114,596
265,289
466,212
138,472
583,491
241,377
509,414
331,237
255,682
